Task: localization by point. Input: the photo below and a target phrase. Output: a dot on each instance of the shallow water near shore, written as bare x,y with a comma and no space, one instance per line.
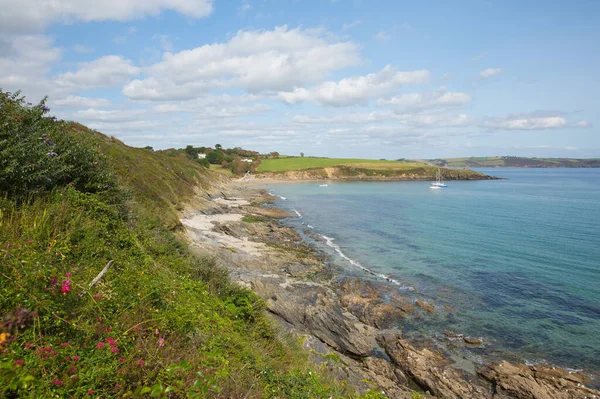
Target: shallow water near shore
515,261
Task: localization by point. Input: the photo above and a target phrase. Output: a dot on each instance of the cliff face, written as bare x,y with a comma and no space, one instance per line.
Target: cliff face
357,174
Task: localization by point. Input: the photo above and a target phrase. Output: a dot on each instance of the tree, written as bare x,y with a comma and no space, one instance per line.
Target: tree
218,147
301,155
215,157
191,152
274,154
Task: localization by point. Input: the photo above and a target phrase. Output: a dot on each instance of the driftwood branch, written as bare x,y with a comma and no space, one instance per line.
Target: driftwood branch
101,274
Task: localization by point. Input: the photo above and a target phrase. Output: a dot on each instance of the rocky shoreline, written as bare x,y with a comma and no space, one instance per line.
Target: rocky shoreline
347,323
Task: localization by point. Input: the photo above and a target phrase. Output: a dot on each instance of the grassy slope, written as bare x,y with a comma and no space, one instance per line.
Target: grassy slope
285,164
161,321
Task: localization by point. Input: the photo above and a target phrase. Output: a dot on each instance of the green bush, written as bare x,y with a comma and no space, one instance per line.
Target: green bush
36,154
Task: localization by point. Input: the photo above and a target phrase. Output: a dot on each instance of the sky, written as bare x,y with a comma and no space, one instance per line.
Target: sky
340,78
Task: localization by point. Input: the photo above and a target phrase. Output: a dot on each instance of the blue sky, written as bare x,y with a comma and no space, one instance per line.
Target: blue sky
376,79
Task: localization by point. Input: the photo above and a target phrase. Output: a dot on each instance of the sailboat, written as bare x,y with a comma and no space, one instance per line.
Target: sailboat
439,181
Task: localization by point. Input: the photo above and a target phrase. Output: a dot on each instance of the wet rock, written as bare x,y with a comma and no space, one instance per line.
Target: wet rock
452,336
473,340
364,301
431,370
536,382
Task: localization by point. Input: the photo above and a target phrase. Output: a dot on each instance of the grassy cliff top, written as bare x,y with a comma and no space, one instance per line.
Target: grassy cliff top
287,164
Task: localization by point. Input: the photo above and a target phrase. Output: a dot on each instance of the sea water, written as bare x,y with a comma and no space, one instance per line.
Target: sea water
514,261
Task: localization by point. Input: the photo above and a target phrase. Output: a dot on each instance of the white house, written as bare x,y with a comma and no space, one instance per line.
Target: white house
201,156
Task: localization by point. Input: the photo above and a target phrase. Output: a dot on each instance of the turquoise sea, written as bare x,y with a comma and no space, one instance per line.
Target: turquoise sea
517,260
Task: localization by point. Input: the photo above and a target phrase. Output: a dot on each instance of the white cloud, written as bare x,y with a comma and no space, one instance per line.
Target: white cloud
440,98
582,124
382,36
245,6
81,102
488,73
355,90
107,71
25,61
221,106
256,61
164,41
526,122
35,15
376,118
346,27
117,115
164,89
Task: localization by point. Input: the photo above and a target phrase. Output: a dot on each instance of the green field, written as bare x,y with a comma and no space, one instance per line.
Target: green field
285,164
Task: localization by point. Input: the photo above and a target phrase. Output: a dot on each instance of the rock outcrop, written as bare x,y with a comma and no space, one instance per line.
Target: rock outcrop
536,382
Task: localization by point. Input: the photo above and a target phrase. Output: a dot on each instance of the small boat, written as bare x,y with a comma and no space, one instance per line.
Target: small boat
439,181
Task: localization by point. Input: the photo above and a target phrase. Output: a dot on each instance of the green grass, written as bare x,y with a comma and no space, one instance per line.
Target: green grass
286,164
253,219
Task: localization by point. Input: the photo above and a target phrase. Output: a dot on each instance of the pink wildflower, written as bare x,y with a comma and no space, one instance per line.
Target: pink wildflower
121,359
76,358
64,344
19,362
156,332
111,341
108,329
90,392
114,349
28,345
66,286
58,382
98,296
68,275
161,342
140,363
100,345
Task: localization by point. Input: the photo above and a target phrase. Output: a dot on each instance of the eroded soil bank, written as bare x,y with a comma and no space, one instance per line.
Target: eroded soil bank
348,323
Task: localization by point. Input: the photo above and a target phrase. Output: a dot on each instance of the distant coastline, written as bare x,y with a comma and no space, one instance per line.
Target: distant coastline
512,162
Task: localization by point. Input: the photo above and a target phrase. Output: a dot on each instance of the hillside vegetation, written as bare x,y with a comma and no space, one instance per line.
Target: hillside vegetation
160,322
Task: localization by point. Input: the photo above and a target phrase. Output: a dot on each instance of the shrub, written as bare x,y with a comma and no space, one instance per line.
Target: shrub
37,154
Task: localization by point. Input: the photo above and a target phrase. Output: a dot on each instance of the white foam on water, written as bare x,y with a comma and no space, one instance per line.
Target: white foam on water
309,226
282,197
338,250
297,213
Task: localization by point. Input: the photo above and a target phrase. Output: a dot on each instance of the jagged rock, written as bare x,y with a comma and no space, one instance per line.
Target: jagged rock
312,308
431,370
364,301
537,382
473,340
